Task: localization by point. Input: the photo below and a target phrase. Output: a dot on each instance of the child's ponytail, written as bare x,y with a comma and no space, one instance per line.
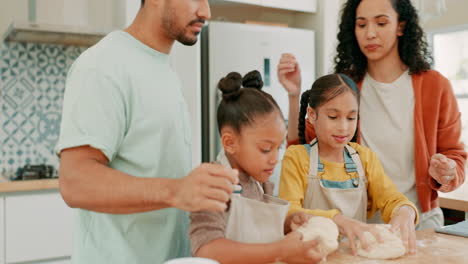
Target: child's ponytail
230,86
302,114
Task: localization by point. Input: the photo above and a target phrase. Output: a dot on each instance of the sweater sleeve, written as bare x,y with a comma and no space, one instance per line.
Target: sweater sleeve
205,227
382,192
448,136
293,181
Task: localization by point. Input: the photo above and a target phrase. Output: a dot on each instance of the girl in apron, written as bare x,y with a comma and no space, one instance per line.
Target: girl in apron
333,177
251,230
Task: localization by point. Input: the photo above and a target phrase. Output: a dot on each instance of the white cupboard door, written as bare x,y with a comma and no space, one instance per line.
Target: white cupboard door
39,227
296,5
2,230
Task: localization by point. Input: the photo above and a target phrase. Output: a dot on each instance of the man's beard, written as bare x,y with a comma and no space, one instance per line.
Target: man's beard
185,39
180,34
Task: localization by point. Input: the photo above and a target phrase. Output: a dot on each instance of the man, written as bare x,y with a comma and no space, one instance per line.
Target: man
125,143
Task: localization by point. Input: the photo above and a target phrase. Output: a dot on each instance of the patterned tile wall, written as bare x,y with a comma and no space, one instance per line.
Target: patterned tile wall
32,82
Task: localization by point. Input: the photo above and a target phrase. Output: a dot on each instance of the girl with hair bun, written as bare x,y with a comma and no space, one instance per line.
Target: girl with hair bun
252,129
335,178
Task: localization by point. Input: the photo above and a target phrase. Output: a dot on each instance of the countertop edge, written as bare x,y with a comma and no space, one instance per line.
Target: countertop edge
28,185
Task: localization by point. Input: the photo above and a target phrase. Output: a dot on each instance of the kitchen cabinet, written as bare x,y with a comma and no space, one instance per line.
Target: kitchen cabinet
85,13
56,261
2,230
39,228
308,6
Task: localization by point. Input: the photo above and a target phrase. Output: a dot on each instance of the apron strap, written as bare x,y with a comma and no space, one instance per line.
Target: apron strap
349,163
222,159
314,159
357,162
259,186
351,157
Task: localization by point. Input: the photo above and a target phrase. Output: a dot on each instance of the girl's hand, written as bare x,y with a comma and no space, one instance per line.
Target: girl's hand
289,74
442,169
403,220
353,229
295,220
293,250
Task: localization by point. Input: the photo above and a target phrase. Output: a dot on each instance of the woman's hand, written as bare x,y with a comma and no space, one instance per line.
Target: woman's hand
442,169
353,229
293,250
295,220
403,220
289,74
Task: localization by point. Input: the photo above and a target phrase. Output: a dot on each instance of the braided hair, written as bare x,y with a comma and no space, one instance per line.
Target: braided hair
239,106
323,90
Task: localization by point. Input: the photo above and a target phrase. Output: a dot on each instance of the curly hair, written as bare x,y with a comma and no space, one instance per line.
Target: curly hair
412,46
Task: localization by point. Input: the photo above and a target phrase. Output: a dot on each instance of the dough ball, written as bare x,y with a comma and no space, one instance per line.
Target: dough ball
323,229
391,248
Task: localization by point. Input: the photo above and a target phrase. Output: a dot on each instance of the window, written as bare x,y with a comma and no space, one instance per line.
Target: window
450,49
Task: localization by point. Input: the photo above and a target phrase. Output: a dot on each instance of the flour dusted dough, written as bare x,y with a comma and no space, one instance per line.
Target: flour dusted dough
391,248
323,229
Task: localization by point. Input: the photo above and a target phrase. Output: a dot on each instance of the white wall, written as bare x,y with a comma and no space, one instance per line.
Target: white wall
455,15
325,23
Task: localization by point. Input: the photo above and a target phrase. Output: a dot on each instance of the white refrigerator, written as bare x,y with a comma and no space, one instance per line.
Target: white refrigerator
238,47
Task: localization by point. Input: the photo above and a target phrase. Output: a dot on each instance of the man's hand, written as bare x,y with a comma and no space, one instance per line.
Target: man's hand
207,187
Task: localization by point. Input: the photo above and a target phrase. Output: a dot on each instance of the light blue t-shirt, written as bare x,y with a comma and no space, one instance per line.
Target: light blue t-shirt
122,98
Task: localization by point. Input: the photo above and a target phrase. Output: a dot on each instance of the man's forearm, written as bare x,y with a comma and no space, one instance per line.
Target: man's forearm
94,186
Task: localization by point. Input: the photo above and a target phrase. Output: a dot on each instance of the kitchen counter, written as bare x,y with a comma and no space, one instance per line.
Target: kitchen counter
432,248
29,185
456,200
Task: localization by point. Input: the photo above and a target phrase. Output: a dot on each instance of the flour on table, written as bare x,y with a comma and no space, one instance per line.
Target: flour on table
391,248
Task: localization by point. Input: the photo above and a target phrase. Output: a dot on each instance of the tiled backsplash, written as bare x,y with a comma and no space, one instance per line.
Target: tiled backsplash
32,82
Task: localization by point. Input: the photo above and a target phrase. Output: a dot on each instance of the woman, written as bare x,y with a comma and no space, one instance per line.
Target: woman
382,47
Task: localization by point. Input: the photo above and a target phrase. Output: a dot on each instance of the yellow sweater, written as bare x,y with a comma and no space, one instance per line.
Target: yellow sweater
381,192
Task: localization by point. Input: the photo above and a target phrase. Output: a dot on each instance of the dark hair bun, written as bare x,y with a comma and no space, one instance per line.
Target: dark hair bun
230,84
253,79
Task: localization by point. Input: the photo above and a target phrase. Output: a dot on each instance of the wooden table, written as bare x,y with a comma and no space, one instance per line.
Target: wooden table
456,200
432,248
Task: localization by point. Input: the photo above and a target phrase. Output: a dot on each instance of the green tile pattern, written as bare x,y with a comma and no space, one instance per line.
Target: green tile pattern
32,82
